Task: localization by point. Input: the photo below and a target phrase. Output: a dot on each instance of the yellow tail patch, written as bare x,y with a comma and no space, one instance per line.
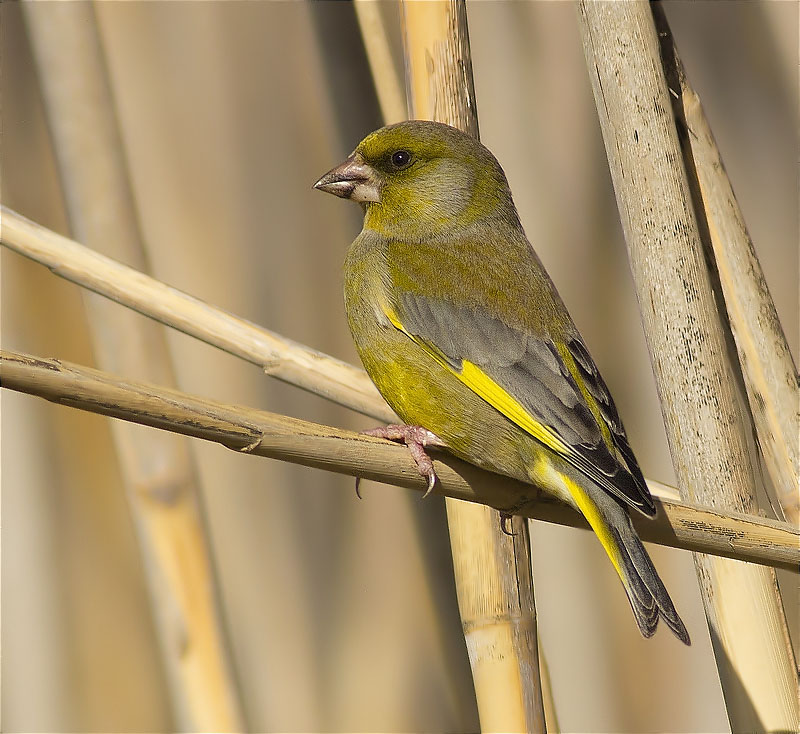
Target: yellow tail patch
592,514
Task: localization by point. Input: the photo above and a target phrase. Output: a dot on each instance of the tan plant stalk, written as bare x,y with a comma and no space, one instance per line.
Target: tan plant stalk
678,525
493,575
704,425
550,714
158,471
769,372
391,96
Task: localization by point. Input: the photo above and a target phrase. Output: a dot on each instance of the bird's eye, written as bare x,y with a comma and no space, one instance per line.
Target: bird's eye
401,158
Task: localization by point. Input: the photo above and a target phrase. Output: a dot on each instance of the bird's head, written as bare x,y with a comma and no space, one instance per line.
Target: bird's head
416,179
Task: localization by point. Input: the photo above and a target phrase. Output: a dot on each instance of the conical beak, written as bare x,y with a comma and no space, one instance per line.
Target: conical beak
352,179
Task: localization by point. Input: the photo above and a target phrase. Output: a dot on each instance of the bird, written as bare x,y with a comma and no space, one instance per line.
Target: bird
465,336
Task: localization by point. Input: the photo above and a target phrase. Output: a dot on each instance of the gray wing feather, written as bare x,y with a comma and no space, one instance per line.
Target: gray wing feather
531,369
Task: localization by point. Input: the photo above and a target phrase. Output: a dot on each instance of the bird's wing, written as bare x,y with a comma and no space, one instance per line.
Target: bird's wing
550,389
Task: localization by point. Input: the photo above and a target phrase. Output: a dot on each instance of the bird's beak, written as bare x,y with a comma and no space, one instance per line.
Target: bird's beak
352,179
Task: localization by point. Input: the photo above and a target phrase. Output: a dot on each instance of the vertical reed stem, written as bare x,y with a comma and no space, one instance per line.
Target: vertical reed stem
158,471
492,570
705,428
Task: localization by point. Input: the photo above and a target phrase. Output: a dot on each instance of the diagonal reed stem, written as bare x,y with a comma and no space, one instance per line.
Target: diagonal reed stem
678,524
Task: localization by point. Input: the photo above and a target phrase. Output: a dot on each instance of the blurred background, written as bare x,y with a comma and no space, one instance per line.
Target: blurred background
341,614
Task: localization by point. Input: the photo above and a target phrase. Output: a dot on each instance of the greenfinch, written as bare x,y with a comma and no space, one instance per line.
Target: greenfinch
465,336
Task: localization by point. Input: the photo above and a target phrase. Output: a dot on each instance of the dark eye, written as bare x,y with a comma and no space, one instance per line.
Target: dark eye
401,158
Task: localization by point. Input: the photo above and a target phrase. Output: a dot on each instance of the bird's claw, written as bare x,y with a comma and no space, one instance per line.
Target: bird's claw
431,480
505,518
416,438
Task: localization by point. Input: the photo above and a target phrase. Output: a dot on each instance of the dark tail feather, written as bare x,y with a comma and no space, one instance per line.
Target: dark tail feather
646,593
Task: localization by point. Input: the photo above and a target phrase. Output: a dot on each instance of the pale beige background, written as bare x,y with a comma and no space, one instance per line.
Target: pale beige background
341,614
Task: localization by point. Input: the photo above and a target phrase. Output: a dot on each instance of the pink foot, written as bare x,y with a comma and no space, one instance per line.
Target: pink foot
416,438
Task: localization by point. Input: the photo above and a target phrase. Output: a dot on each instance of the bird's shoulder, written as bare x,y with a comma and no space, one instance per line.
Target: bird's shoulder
491,269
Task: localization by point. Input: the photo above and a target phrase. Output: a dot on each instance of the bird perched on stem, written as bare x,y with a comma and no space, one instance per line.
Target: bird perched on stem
464,334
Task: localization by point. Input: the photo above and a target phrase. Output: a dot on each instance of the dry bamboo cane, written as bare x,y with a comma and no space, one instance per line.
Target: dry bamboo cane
391,96
704,424
158,472
493,574
769,372
288,439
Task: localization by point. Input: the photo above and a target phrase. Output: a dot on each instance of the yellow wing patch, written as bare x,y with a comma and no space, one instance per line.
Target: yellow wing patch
484,386
479,382
588,398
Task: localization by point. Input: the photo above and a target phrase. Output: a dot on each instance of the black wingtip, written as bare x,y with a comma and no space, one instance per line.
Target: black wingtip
649,508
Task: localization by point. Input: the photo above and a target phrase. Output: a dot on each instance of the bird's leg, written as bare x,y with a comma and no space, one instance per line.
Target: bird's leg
507,515
417,439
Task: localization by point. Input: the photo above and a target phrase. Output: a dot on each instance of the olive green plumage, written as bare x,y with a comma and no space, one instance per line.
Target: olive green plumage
462,331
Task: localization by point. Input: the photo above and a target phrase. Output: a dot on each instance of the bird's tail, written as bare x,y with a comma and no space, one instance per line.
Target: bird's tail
646,593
